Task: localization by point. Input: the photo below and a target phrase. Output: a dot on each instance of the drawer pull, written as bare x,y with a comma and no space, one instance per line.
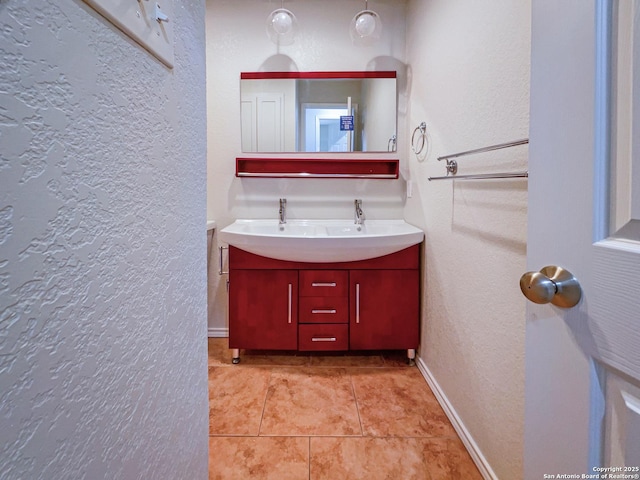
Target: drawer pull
324,311
323,339
324,284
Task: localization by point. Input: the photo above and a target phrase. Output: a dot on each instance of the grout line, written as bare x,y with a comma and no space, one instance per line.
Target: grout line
264,404
355,399
371,437
309,464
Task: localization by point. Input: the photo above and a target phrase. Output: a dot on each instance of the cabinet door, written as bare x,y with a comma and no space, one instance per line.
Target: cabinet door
263,309
384,309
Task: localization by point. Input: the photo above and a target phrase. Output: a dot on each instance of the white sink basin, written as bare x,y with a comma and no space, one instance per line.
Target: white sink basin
321,240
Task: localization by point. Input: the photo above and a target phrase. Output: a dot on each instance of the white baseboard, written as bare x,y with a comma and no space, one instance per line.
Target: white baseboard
468,441
217,332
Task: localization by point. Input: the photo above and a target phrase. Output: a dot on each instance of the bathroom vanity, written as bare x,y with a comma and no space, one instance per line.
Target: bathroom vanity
370,304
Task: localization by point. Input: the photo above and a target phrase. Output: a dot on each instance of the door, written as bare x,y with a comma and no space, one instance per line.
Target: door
384,308
323,130
583,363
263,309
269,122
262,125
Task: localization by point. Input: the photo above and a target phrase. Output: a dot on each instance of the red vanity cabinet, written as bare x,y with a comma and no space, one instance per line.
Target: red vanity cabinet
364,305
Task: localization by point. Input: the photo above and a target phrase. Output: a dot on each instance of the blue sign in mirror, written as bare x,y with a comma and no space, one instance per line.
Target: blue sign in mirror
346,122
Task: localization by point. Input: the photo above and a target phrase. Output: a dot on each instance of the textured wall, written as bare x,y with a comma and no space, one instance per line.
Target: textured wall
237,42
470,66
102,248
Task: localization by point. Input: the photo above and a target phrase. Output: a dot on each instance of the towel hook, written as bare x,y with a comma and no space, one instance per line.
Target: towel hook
391,144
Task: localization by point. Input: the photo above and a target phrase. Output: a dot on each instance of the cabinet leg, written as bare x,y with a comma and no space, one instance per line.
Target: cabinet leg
235,353
411,355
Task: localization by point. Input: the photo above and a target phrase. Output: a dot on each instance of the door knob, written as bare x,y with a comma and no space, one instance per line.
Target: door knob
551,284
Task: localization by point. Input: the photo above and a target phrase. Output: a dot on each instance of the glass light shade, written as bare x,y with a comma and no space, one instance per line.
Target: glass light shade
281,26
282,23
365,24
365,27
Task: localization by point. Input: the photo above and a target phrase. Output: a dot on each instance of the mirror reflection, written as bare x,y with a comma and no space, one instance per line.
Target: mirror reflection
318,111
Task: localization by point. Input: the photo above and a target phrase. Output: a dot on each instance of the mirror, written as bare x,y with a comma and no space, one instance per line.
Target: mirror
318,112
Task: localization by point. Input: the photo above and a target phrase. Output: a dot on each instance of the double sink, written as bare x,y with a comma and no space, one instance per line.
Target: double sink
321,240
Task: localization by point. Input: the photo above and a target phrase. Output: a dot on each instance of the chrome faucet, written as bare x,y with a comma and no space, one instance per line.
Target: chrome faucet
359,214
283,211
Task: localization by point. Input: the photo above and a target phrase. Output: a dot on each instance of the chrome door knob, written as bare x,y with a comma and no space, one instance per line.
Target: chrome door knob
551,284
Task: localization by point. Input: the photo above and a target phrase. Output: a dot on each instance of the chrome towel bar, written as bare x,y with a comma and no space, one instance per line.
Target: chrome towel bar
452,165
486,149
481,176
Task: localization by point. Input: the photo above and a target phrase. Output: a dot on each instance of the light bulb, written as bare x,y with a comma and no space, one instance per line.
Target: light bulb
365,24
282,23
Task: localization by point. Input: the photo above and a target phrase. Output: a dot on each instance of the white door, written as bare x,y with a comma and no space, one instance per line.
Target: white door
262,122
269,121
583,363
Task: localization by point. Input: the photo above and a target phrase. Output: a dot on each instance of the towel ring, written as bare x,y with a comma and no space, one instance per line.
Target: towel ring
422,138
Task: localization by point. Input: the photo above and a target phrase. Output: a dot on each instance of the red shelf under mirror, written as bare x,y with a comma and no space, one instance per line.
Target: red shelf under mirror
317,168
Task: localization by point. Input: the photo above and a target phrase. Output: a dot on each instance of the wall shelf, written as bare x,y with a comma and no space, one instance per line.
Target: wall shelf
317,168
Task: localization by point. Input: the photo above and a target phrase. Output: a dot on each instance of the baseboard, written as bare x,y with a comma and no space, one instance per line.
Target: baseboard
470,444
217,332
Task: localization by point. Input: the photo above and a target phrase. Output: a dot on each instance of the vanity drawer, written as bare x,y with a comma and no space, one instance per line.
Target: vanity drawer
324,283
323,310
323,337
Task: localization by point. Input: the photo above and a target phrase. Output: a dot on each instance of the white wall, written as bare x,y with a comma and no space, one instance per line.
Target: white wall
237,42
378,128
103,362
470,67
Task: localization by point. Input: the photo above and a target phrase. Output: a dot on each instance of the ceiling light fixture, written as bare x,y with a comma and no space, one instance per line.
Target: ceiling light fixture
365,27
282,26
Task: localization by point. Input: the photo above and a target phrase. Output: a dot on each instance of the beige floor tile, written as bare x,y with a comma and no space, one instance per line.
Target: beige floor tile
342,360
367,458
398,402
396,359
390,458
260,458
219,353
335,399
236,399
275,359
310,401
448,459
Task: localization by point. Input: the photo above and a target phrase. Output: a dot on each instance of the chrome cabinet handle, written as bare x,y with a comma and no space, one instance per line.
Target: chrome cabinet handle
324,311
551,284
323,339
221,258
290,298
324,284
357,303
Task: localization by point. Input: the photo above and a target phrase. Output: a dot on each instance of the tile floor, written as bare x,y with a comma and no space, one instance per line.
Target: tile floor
327,417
